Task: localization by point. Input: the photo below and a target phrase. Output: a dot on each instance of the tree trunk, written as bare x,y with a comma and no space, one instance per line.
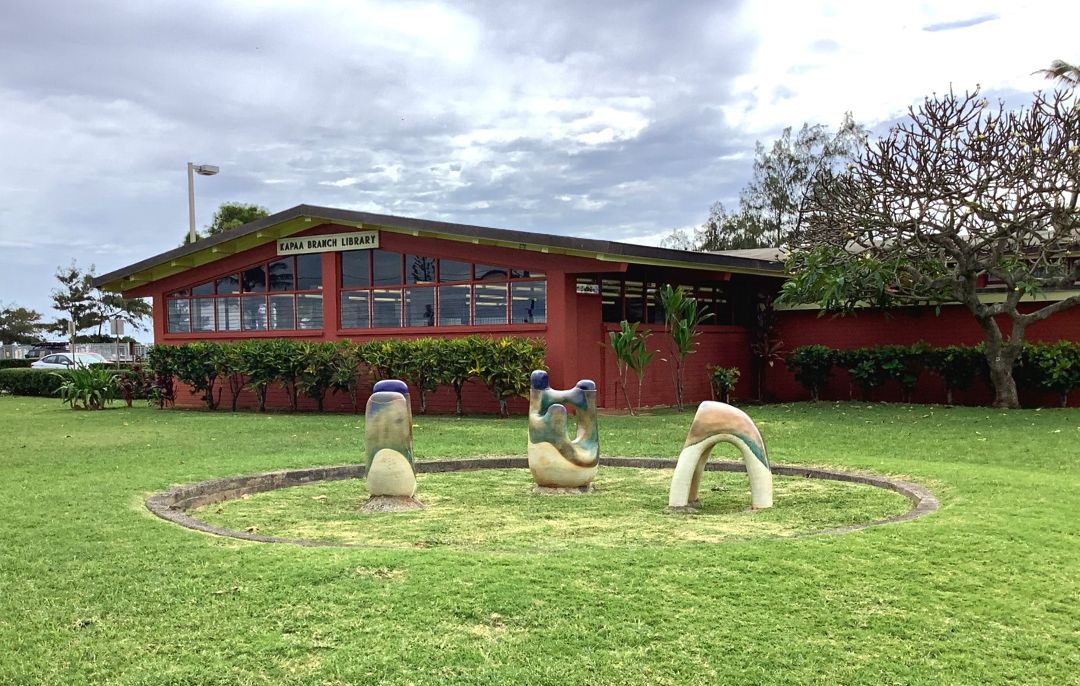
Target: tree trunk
457,398
1001,354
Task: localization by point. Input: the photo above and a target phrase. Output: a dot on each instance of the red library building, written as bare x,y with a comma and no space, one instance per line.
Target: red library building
324,274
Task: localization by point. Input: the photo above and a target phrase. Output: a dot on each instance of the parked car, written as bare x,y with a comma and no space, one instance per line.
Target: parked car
65,361
40,350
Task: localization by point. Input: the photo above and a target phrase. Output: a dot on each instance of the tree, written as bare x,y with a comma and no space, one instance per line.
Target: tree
682,316
958,192
20,324
771,204
133,311
230,215
77,298
1067,74
785,174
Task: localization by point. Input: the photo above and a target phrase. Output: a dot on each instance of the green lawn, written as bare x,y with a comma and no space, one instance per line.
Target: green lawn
95,590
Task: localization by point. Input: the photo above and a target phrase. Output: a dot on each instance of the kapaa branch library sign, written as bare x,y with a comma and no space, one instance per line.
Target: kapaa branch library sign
361,240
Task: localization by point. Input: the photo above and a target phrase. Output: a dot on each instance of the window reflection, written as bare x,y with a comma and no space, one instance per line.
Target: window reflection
254,279
386,308
354,310
454,305
489,304
282,275
419,307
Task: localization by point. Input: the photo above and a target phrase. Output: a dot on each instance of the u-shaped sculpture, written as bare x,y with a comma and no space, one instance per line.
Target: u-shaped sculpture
388,443
554,460
721,423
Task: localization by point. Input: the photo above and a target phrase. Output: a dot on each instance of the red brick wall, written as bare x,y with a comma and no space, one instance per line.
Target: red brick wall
953,326
726,346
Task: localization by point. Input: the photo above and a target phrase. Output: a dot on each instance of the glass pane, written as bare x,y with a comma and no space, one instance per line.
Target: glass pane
202,314
611,296
254,312
309,311
354,310
356,268
635,301
419,269
449,270
453,305
308,272
387,268
419,307
528,304
489,304
203,289
179,315
228,284
282,277
486,273
254,279
655,312
386,308
228,314
282,312
525,274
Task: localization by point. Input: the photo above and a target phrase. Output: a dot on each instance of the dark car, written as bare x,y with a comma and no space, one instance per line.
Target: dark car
42,349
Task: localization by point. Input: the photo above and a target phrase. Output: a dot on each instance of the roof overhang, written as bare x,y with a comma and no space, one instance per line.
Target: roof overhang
303,217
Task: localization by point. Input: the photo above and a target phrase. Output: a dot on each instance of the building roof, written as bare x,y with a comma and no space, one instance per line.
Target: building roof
773,254
304,217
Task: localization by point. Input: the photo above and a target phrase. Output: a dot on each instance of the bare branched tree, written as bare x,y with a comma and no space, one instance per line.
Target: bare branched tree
959,193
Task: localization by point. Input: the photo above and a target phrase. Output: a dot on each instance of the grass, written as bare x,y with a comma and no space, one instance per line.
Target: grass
496,511
94,589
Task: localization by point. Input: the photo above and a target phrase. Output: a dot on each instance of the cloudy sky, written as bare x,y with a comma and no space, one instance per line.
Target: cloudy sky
618,120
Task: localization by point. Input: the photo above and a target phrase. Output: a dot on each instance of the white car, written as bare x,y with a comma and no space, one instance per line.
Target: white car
64,361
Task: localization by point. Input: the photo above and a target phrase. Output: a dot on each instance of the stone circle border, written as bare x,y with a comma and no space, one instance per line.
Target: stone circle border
174,504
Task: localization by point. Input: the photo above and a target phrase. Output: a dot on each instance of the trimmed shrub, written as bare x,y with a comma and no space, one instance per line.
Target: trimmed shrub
957,366
1051,367
504,365
41,383
15,364
812,366
723,380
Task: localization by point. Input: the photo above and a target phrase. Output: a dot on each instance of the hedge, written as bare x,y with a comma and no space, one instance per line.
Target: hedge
42,383
1053,367
15,364
315,369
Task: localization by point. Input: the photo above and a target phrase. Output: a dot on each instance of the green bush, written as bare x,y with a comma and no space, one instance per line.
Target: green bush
15,364
723,380
812,366
198,365
315,368
1051,367
957,366
87,388
41,383
504,365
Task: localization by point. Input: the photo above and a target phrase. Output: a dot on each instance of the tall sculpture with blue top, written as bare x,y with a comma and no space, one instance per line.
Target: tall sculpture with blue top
720,423
391,479
555,460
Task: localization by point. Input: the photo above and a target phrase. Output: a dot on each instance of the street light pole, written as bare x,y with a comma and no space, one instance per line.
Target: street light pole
192,170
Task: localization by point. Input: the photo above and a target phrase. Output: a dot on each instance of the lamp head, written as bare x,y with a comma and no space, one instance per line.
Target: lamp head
206,169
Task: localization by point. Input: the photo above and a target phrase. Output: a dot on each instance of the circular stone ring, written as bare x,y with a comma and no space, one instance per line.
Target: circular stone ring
175,504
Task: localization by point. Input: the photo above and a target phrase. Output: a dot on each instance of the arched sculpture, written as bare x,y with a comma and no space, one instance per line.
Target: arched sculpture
391,480
554,460
715,423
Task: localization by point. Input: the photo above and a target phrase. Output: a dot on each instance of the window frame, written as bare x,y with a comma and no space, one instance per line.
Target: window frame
238,293
438,320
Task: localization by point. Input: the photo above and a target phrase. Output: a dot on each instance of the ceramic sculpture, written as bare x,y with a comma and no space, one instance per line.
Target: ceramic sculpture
391,480
555,460
715,423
